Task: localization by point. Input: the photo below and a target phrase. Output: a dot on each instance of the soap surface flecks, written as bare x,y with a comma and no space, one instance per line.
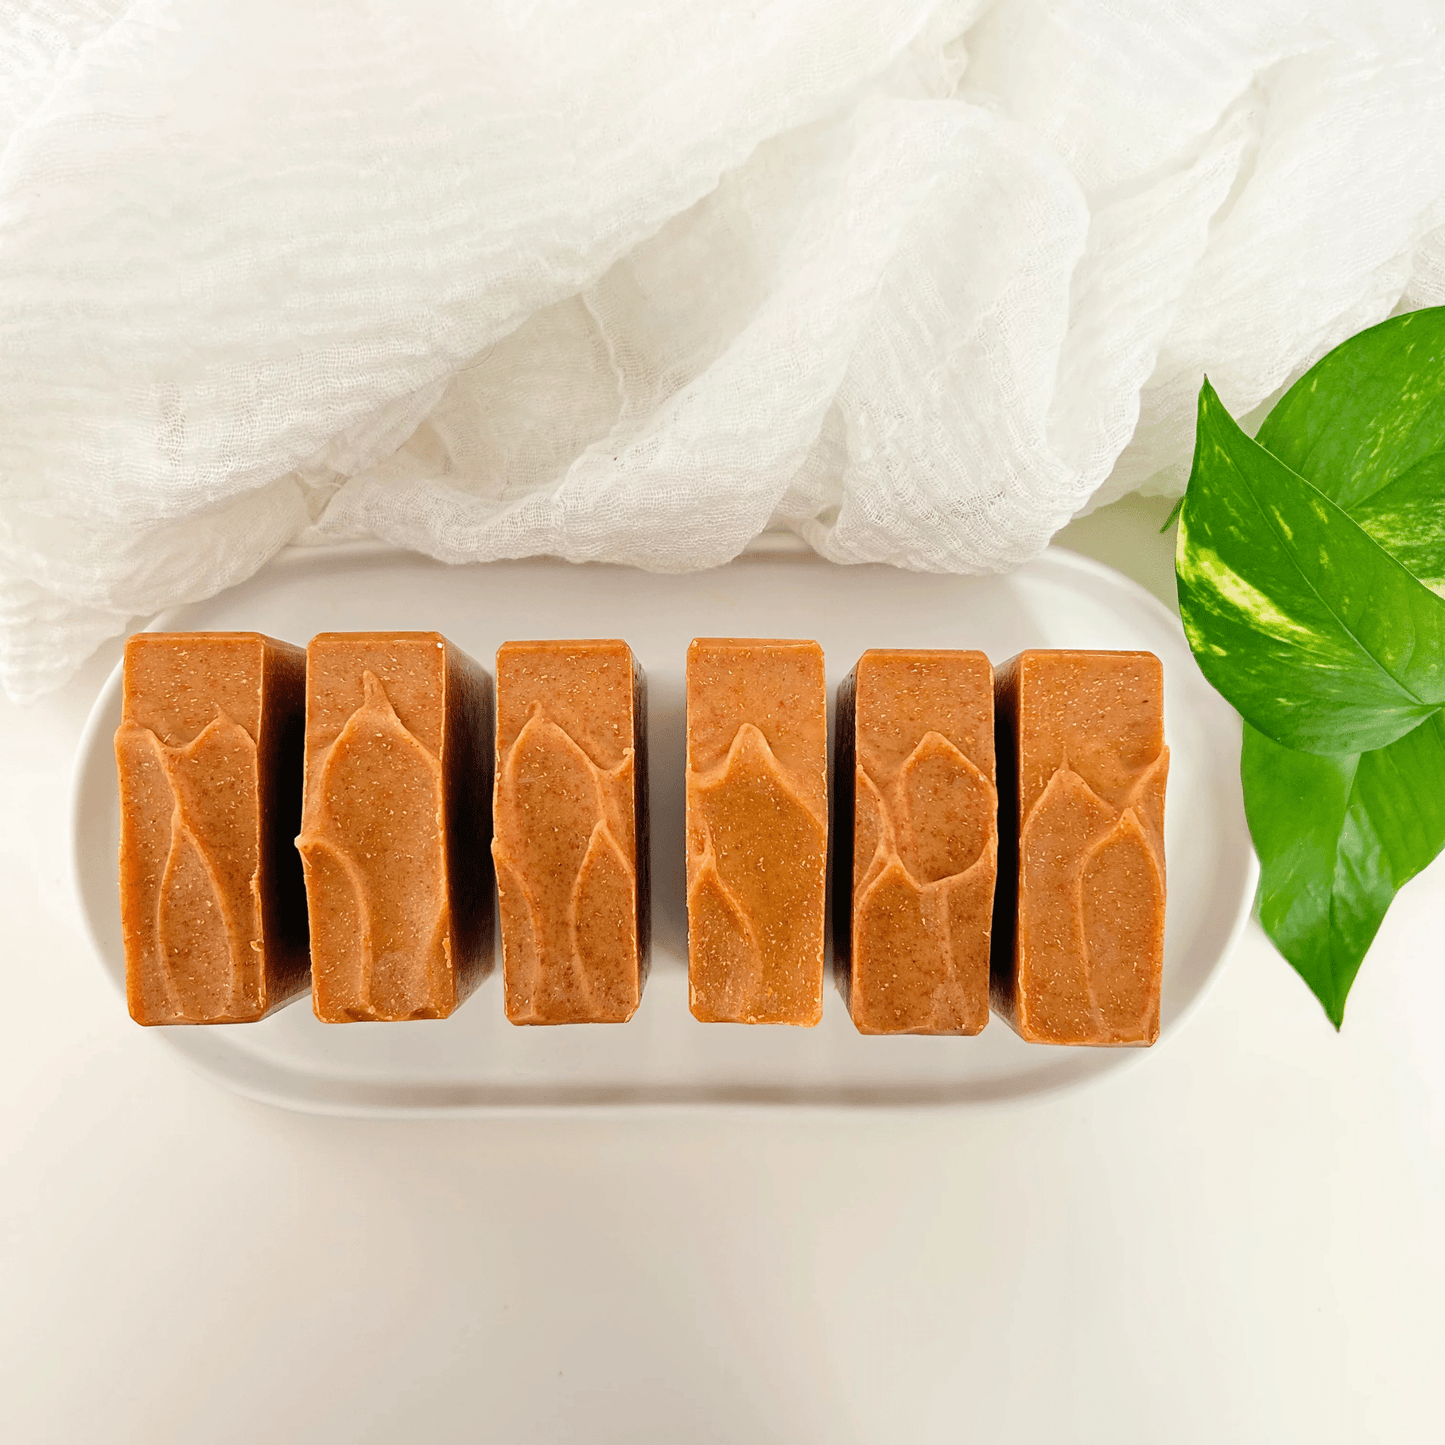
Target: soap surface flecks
208,760
1081,959
916,785
570,831
757,830
395,753
372,842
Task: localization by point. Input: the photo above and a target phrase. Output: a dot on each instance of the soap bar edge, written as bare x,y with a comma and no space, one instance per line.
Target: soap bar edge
468,741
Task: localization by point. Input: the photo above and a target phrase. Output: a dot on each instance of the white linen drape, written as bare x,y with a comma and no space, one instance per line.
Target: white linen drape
632,281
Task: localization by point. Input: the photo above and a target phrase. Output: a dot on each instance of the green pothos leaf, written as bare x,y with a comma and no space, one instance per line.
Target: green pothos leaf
1368,412
1366,425
1337,838
1407,518
1317,635
1352,809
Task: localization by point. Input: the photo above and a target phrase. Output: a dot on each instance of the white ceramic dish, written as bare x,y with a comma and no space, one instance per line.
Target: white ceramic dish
476,1062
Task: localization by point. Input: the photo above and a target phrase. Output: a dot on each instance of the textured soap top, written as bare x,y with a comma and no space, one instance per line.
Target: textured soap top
1083,766
757,829
394,829
917,850
208,758
570,830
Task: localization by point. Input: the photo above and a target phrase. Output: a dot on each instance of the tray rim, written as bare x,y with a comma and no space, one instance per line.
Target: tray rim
767,544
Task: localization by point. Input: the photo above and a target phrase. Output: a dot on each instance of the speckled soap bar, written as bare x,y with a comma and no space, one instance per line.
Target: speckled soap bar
917,841
1079,927
570,831
208,756
396,825
757,830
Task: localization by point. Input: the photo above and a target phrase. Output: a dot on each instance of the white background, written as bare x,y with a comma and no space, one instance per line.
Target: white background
1238,1240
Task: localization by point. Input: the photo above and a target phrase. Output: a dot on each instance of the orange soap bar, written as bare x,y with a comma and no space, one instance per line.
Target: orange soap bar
917,848
570,831
1079,924
209,761
757,830
396,824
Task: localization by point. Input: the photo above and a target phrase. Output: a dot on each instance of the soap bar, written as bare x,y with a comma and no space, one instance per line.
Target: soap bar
570,831
1079,923
208,756
917,847
757,830
396,825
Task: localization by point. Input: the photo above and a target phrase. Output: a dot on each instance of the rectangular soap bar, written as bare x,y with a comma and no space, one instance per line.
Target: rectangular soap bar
1079,925
916,851
570,830
208,755
396,825
757,830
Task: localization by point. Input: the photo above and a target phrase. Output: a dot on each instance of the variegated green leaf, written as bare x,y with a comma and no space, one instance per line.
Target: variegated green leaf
1337,837
1321,639
1407,518
1366,425
1367,413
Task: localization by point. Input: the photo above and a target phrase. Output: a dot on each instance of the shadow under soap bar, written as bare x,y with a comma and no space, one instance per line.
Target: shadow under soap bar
396,825
757,830
208,756
916,849
1082,770
570,831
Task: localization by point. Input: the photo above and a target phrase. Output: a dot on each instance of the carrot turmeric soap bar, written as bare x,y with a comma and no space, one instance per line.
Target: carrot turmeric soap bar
396,825
757,830
208,755
1079,924
917,847
570,831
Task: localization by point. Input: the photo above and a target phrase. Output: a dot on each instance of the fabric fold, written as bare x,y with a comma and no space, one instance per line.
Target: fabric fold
919,281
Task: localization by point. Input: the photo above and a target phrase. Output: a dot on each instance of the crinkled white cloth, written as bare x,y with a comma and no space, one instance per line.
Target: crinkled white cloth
633,279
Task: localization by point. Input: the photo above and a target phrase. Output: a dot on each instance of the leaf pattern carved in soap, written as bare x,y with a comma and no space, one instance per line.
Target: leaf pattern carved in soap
756,889
926,854
199,923
1091,917
371,843
564,845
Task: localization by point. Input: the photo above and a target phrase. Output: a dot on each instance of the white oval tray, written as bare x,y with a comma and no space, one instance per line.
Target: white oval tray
476,1062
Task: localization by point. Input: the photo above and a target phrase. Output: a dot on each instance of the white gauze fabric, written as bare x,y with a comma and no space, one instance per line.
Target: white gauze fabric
634,281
